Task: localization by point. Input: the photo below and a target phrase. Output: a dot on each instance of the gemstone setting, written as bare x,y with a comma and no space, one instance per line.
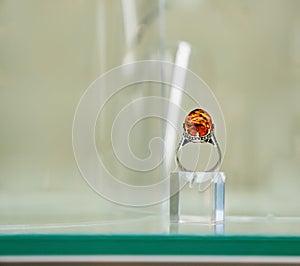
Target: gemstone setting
198,126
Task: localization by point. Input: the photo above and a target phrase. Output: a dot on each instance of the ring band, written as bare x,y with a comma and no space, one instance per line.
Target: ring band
198,128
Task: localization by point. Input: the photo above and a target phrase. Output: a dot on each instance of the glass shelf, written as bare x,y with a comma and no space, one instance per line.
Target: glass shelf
149,235
88,244
64,224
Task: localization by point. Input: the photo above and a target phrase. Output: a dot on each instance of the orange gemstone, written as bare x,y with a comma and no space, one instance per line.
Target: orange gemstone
198,123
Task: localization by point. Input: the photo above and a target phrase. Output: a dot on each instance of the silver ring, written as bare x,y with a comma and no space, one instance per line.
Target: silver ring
198,128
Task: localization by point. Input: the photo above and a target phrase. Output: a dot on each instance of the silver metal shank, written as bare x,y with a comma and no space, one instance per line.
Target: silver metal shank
209,138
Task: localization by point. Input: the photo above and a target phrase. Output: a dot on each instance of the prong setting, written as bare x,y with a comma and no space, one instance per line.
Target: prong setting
197,139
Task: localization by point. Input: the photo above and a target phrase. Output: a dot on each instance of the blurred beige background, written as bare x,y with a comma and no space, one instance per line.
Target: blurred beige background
248,51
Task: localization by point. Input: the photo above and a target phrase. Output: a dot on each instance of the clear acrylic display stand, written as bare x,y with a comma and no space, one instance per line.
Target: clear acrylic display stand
197,197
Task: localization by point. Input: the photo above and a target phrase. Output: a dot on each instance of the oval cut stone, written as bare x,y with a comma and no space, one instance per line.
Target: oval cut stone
198,123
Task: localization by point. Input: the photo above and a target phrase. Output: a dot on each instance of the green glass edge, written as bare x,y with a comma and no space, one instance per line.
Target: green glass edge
45,244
